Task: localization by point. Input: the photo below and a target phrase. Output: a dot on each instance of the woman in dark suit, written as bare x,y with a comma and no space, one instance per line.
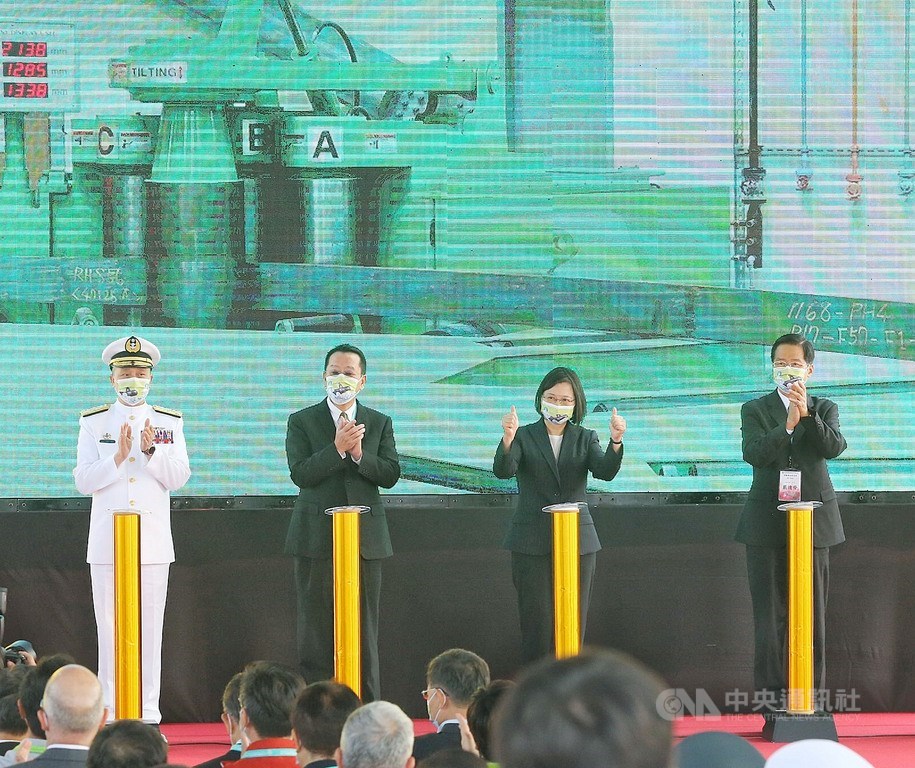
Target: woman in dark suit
551,459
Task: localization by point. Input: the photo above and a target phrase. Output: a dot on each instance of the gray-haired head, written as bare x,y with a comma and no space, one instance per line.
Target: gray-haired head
73,701
377,735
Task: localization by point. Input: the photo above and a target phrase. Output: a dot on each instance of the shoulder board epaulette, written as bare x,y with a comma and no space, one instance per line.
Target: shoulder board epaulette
167,411
97,409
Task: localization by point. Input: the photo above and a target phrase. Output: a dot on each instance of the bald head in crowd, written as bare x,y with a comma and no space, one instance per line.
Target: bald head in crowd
377,735
72,710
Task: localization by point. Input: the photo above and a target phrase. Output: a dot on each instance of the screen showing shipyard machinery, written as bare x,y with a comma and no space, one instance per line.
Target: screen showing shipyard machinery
472,202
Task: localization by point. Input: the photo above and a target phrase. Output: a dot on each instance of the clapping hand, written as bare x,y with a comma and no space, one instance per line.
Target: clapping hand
147,437
348,438
125,443
797,403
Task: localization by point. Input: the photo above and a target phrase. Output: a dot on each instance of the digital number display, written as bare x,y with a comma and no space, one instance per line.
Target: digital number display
25,90
37,64
25,69
25,48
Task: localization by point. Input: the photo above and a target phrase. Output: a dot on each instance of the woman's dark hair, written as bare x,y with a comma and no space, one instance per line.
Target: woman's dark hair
557,376
479,713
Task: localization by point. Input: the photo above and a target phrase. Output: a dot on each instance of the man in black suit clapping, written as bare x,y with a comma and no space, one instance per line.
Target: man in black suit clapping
339,452
788,436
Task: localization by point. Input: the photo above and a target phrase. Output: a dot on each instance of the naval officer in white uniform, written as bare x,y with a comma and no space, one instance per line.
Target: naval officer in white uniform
130,456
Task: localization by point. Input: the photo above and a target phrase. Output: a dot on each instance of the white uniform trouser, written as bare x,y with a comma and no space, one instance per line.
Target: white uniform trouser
153,589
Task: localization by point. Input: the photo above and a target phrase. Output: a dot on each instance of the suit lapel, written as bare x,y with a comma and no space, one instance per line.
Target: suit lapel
541,438
779,414
565,449
776,408
325,420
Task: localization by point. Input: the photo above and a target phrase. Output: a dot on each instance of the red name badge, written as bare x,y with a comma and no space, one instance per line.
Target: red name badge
789,485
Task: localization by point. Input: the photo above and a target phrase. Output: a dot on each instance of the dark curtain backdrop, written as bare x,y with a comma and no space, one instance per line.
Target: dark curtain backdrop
670,589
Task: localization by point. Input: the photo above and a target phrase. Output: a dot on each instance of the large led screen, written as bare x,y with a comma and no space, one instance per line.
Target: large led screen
473,193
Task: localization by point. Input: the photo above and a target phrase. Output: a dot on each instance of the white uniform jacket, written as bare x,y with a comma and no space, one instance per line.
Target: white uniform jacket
141,483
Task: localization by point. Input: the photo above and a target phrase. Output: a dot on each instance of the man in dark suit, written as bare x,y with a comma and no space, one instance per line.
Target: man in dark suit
71,714
230,712
31,694
452,678
786,432
339,452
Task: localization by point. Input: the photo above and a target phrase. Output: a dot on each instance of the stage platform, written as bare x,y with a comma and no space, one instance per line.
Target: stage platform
886,740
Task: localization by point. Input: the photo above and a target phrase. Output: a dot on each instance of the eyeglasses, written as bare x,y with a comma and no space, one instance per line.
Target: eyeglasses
430,692
559,400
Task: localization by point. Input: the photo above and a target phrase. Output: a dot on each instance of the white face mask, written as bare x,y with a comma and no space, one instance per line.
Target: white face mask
132,391
556,414
434,718
783,375
341,388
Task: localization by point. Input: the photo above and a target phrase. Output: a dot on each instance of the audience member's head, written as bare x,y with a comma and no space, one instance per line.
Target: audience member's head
816,753
479,713
11,679
377,735
452,678
127,744
32,689
717,749
452,757
12,726
231,707
72,708
599,708
318,717
267,695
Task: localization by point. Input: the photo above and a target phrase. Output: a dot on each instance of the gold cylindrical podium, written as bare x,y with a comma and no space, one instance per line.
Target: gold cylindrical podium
800,607
800,720
347,615
128,675
566,579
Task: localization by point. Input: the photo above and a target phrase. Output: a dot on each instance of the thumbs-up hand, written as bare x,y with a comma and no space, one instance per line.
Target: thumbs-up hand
509,427
617,427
